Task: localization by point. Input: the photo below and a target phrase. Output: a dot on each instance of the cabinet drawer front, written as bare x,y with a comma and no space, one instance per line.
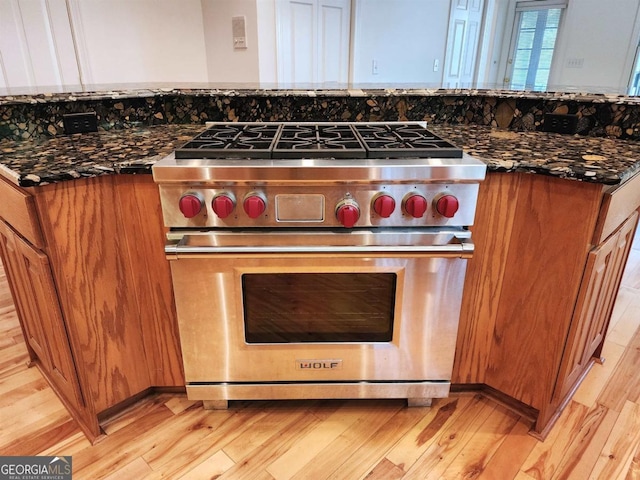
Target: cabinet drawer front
617,205
17,208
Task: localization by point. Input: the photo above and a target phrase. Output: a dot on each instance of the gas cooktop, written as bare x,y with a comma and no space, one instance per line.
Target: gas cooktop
317,140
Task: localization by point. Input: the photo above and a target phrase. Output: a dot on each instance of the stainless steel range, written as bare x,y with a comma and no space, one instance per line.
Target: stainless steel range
318,260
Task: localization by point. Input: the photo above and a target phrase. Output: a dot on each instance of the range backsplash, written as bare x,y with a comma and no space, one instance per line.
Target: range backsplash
29,117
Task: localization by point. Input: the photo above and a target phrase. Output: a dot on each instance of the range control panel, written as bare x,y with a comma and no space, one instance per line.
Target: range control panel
345,206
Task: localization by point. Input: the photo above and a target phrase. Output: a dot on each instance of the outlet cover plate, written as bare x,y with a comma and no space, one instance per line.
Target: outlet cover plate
80,122
560,123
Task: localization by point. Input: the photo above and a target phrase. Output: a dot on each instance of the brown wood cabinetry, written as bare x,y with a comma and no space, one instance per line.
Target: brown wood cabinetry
36,300
540,289
92,289
597,295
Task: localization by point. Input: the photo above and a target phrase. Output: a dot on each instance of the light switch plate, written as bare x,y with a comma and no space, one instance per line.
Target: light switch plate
239,30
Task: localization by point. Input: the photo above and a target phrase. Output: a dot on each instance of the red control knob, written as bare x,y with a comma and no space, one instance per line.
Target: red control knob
254,205
223,205
348,214
190,204
447,205
415,205
384,205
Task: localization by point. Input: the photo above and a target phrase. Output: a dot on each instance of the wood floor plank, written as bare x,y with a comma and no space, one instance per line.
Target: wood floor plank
307,447
179,402
225,423
253,466
13,355
131,414
18,379
634,469
385,470
249,440
180,432
364,459
595,382
523,476
419,438
240,424
580,460
480,448
70,445
618,452
631,277
545,457
212,467
339,451
625,296
627,322
624,383
31,413
15,369
137,468
451,443
117,450
40,439
29,393
511,453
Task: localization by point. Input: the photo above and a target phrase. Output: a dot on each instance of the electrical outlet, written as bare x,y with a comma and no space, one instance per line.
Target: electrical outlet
575,62
374,67
436,65
80,122
560,123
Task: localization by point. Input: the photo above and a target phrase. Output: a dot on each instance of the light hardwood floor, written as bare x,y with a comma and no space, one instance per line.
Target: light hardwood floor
464,436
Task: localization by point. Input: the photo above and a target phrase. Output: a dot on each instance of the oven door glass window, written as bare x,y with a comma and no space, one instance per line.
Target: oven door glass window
318,307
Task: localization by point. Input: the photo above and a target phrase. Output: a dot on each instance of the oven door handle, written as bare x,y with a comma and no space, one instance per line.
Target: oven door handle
457,247
465,248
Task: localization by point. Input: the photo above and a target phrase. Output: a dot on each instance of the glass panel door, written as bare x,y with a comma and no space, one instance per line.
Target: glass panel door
318,307
536,31
634,83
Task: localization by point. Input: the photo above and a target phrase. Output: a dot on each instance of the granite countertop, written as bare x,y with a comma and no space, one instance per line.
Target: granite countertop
588,159
66,157
116,92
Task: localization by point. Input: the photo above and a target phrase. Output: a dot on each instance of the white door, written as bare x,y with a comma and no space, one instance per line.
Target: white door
36,45
534,32
465,22
313,41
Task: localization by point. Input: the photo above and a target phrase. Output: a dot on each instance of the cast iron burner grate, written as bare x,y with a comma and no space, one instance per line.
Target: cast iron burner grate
314,141
404,140
236,140
322,140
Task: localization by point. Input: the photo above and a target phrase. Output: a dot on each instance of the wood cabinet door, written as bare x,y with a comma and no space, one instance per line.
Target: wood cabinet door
46,306
602,276
36,296
23,301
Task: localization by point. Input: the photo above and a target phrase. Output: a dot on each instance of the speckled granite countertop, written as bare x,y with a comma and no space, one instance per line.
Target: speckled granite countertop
588,159
39,162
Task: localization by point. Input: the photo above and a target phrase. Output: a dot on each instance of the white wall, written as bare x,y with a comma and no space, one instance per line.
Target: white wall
404,37
604,35
141,41
224,63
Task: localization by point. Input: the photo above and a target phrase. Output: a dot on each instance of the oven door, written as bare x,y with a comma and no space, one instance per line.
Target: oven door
272,307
